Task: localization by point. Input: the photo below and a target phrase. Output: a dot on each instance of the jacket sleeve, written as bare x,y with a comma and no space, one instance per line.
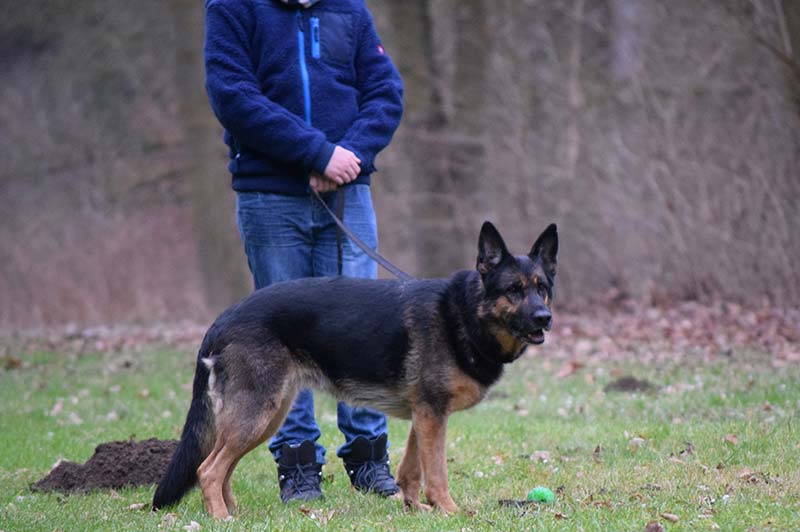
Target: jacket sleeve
237,101
380,97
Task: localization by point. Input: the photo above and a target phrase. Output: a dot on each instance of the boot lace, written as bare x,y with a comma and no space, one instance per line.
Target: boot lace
373,474
303,477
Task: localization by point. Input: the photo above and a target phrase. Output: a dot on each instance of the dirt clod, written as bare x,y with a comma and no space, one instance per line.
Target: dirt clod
113,465
629,383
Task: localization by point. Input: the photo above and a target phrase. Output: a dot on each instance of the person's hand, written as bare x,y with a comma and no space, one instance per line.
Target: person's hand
343,167
321,184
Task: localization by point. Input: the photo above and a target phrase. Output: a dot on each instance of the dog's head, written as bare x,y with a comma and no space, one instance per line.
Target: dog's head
518,290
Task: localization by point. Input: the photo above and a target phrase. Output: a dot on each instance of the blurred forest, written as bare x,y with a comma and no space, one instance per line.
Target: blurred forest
662,137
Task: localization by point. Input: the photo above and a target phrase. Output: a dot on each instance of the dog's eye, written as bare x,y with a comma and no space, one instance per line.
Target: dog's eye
518,289
542,289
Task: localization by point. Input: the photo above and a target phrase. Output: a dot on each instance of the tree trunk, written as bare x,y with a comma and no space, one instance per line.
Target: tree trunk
221,258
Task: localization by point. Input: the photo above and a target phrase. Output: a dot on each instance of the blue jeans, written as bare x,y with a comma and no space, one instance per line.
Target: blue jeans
288,237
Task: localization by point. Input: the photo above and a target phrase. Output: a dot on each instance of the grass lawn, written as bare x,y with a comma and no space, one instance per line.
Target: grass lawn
717,447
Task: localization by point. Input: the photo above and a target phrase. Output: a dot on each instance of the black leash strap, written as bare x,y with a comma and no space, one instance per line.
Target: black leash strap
374,255
340,215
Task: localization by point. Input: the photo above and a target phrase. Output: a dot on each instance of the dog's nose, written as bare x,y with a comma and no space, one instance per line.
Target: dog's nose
542,318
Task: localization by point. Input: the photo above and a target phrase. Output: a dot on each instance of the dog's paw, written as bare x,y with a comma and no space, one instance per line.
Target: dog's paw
416,505
448,509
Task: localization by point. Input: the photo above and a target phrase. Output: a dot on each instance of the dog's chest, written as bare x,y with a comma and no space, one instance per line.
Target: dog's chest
464,392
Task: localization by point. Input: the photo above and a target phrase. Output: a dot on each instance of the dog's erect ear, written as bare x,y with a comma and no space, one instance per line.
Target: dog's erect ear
491,248
546,249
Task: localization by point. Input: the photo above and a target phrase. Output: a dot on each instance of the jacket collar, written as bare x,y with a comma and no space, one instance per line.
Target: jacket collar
300,3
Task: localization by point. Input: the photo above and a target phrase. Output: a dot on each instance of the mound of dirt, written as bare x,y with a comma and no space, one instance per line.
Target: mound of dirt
629,383
114,465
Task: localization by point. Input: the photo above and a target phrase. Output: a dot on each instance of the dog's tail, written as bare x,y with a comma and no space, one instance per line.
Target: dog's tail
196,439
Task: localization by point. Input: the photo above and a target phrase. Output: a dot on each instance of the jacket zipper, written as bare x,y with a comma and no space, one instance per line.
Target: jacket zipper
301,49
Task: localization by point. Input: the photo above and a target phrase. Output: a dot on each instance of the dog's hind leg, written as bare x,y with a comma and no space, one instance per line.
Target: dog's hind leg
227,492
409,474
208,477
272,427
251,397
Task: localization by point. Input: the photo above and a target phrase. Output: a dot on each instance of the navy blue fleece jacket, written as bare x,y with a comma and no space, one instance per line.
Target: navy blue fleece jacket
288,84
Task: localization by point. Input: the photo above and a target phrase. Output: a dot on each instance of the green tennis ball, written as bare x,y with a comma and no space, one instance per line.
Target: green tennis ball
541,494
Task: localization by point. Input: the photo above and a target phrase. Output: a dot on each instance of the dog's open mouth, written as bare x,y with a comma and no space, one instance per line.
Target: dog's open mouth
536,337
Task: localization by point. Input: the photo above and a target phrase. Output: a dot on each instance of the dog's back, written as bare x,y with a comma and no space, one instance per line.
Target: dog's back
354,329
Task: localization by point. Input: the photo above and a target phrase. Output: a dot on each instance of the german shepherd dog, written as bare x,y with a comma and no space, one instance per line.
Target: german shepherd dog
418,350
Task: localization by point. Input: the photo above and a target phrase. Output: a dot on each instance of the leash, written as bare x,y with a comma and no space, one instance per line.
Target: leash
374,255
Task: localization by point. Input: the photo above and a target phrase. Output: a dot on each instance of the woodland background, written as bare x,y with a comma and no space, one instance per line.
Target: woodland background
662,137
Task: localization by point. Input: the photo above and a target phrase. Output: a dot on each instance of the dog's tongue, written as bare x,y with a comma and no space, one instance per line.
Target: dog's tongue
536,337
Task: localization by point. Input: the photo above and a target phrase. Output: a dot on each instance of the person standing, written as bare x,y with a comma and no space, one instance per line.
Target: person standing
308,97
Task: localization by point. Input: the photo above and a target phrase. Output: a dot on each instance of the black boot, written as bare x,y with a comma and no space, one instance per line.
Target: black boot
299,474
367,466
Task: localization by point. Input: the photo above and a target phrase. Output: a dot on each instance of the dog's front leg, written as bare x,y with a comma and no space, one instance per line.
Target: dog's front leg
409,473
430,433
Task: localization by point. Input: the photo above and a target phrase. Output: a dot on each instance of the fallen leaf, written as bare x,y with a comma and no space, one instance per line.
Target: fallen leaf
317,515
58,407
654,526
559,515
597,454
327,517
136,506
732,439
746,474
541,456
12,362
672,518
193,526
569,368
169,519
635,443
675,460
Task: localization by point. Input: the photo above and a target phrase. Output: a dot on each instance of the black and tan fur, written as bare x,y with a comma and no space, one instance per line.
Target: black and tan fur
419,350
